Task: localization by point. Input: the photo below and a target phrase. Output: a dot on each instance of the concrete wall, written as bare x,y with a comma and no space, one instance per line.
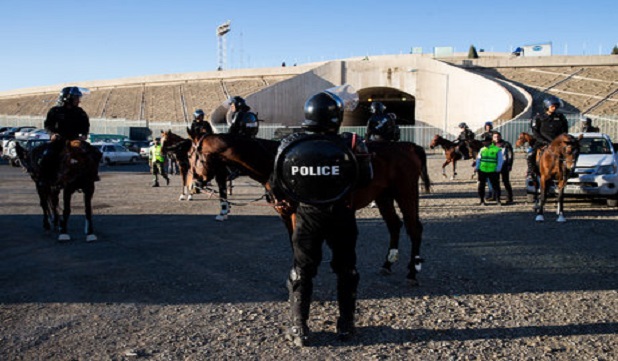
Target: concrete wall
540,61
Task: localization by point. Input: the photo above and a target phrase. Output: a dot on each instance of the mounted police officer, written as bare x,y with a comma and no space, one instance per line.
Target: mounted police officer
546,127
381,127
317,171
465,136
65,122
199,125
240,119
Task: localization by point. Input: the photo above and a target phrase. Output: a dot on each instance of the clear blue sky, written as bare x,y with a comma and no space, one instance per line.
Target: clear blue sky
47,42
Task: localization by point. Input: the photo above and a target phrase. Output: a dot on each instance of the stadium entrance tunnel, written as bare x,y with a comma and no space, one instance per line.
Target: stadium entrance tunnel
396,101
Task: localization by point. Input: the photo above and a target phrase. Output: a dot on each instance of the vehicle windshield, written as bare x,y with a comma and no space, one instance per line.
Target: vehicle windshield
594,146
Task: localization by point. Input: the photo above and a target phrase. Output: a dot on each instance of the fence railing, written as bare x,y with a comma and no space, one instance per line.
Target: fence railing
421,135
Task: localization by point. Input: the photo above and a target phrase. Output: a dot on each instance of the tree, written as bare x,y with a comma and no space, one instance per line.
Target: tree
615,50
472,54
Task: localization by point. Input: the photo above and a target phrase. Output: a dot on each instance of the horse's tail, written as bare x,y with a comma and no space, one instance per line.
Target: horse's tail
424,173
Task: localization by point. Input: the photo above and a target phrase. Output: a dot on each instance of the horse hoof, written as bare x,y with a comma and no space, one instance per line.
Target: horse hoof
190,198
221,218
539,218
393,255
91,238
181,198
561,219
64,237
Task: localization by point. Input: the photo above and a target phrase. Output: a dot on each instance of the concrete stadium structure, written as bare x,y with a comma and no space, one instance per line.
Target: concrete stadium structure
419,89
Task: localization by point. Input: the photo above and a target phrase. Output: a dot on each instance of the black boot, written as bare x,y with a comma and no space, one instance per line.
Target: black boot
300,291
531,162
347,285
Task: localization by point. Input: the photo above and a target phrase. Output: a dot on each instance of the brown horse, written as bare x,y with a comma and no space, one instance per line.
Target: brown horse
180,147
555,163
397,168
78,171
451,153
525,138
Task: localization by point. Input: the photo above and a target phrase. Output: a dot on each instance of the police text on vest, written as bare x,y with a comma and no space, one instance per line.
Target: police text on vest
313,171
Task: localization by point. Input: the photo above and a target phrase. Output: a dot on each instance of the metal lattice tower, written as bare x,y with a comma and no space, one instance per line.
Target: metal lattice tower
222,30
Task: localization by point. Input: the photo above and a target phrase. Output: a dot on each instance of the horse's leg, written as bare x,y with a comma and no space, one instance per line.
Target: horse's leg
444,165
66,212
221,178
409,206
454,169
544,185
183,177
560,208
387,210
44,203
89,227
52,204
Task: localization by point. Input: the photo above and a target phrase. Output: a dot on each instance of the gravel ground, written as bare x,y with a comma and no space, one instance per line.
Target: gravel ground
166,281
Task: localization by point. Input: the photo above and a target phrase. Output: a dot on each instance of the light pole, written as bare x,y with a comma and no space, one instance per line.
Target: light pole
446,89
221,43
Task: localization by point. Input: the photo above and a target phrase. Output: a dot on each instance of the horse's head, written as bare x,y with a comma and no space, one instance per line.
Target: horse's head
169,139
568,147
435,141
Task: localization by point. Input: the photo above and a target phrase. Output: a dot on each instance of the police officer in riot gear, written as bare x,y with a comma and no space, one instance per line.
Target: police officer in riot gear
381,126
65,122
546,127
487,136
587,126
317,171
465,136
199,125
240,119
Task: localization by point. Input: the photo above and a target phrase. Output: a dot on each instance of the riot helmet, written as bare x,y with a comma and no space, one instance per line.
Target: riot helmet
198,113
491,125
586,121
377,108
552,101
323,113
463,125
238,102
68,94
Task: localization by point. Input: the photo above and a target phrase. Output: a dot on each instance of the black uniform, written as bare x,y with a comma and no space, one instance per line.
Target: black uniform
68,124
505,172
465,136
545,127
323,214
201,127
244,123
381,127
487,136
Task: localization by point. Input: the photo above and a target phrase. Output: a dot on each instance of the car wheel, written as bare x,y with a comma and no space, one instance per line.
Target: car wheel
612,202
15,162
133,159
108,161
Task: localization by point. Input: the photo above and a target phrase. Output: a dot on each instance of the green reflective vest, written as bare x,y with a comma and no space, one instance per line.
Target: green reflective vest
155,154
489,158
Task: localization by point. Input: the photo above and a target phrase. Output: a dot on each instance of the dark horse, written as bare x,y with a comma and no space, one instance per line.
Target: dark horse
78,171
397,168
555,163
450,151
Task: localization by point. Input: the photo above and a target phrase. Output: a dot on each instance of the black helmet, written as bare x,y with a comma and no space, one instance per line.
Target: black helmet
197,113
377,108
323,113
586,120
552,101
69,93
490,124
462,125
238,101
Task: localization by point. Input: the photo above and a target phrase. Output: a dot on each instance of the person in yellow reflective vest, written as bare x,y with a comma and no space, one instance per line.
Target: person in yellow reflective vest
488,165
156,159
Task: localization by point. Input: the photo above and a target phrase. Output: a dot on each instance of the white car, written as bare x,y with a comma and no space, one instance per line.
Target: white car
22,133
38,134
596,170
116,153
144,152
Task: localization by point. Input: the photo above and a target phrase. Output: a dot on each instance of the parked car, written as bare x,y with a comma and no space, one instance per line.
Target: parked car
115,153
39,134
135,145
9,153
144,152
10,133
596,170
22,133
